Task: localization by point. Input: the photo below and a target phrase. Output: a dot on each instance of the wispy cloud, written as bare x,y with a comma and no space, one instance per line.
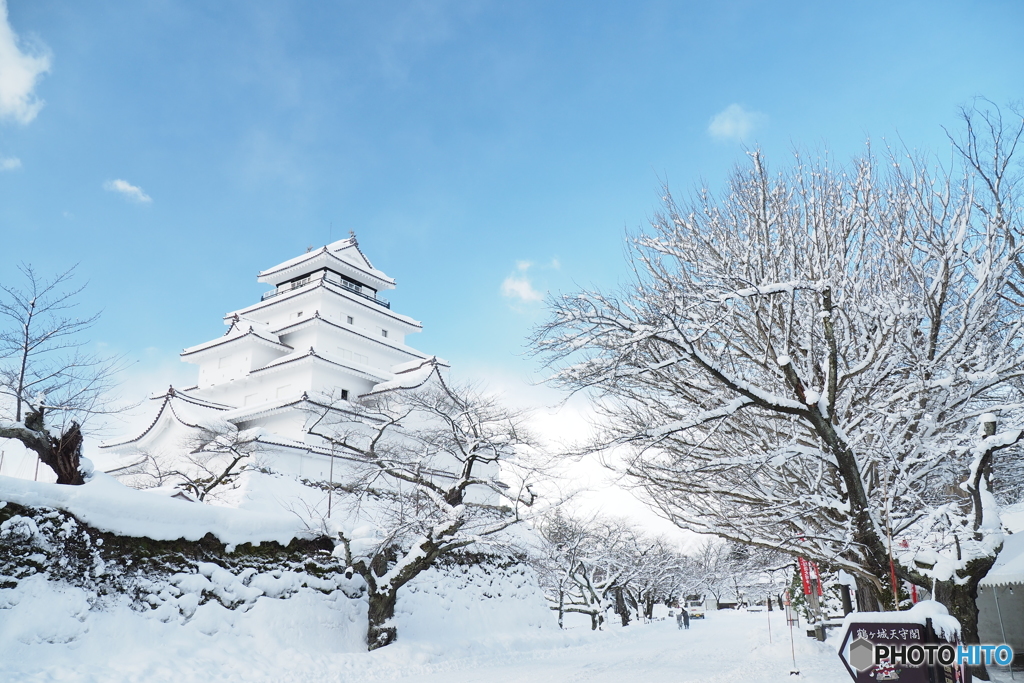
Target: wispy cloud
127,190
518,285
9,163
19,72
520,288
735,123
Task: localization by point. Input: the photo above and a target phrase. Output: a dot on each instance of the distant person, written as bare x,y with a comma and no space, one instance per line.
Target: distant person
686,618
679,618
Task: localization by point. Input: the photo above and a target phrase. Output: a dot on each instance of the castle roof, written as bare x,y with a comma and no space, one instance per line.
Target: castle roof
291,295
241,330
343,256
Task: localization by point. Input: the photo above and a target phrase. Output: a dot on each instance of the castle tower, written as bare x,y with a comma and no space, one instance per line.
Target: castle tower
323,331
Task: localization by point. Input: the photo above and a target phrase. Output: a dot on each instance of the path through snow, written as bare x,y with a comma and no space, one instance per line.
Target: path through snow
286,641
726,647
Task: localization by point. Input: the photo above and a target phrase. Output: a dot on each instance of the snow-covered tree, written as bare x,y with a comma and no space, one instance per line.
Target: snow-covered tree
211,460
563,562
49,383
598,564
816,360
430,469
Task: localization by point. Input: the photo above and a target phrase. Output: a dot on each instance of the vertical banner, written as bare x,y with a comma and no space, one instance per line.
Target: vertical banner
805,576
913,594
817,576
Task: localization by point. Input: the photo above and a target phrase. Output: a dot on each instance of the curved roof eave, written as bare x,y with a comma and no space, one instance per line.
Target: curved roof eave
311,356
307,289
292,327
166,405
224,341
281,271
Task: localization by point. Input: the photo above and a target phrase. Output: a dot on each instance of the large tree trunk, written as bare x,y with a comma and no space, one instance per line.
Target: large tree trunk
65,456
960,600
620,607
867,598
62,454
382,610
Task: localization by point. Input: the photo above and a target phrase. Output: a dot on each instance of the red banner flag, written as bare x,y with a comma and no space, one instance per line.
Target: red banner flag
817,576
805,575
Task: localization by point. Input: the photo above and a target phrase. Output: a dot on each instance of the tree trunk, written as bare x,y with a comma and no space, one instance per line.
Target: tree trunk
620,607
382,610
561,607
867,598
960,600
62,454
66,456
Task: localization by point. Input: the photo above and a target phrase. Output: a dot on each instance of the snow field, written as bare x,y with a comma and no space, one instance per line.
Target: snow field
449,630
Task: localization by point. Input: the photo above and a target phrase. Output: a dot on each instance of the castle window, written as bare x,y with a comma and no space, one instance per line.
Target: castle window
383,333
350,320
344,394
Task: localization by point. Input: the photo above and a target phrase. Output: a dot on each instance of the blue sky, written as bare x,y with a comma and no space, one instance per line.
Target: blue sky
484,152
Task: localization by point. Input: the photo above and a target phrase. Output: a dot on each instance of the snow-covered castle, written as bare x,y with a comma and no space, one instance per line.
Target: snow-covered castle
323,330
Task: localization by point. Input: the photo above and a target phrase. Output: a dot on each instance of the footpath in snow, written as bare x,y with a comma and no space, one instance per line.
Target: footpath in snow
285,641
726,647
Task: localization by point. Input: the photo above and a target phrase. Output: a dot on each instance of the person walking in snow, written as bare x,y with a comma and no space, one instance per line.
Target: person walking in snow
679,619
686,618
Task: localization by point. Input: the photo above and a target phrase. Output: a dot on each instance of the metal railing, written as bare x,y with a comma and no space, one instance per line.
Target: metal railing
348,286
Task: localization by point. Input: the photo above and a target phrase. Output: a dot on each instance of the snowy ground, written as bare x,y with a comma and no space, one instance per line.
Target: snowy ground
274,646
727,646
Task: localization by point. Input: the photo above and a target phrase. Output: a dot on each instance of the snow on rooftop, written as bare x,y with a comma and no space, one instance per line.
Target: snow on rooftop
346,250
1009,566
417,364
240,327
409,378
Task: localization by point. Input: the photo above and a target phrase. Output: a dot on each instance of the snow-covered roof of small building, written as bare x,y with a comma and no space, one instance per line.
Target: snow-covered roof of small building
1009,566
343,255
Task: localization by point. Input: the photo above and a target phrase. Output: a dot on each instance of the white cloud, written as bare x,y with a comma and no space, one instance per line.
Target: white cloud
129,191
734,123
9,163
520,288
18,74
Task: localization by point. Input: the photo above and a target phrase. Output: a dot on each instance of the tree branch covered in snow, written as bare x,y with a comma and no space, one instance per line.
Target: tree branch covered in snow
436,469
211,460
802,360
49,383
